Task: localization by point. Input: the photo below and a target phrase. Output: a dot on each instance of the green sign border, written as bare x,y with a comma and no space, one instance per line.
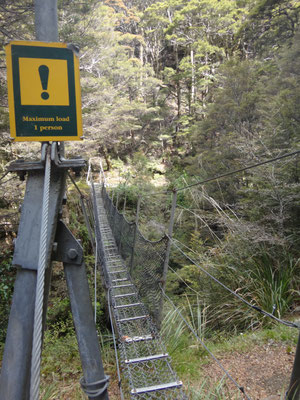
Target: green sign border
30,130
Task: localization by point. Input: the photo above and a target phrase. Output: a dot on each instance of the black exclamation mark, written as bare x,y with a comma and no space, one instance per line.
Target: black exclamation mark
44,75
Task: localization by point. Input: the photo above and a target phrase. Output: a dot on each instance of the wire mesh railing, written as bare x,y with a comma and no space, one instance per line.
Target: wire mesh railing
143,356
146,261
144,258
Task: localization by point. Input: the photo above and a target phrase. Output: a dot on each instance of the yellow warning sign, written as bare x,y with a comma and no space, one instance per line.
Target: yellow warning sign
43,92
43,82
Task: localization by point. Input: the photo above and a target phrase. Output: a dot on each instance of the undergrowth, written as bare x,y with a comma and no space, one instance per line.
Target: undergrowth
61,368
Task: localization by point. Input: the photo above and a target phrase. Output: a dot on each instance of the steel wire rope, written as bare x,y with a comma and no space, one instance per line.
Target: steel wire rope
40,283
182,280
83,198
76,186
229,173
115,344
102,173
95,282
241,388
4,175
256,308
8,180
239,170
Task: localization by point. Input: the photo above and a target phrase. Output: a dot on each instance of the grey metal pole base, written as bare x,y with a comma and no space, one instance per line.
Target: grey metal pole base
16,363
15,372
95,382
293,392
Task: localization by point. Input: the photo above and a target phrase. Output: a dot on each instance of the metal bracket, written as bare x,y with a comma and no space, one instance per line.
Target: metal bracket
68,249
61,162
21,165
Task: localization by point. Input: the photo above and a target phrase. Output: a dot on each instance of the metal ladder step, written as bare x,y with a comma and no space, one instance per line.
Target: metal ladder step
122,286
120,280
163,386
117,272
133,318
128,305
128,339
118,296
149,358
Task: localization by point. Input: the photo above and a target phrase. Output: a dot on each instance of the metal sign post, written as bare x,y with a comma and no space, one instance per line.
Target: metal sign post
42,97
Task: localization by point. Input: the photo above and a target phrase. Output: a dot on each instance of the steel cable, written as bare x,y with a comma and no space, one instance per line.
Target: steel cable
95,282
115,344
76,186
256,308
4,175
229,173
239,170
84,210
39,297
8,180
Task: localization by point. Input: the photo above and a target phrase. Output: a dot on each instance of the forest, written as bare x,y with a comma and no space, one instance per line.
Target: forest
175,92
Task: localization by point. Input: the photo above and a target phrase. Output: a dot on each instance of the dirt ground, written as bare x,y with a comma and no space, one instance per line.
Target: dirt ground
264,372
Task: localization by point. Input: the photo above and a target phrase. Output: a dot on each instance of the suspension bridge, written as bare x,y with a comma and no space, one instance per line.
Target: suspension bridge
133,271
134,303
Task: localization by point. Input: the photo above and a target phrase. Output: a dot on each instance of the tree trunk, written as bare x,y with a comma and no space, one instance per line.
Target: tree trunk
178,90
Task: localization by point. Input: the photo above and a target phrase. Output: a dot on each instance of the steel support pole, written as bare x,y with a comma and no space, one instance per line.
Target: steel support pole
121,227
16,363
70,252
85,328
293,392
117,202
167,255
99,247
46,26
170,233
124,204
111,209
15,372
137,216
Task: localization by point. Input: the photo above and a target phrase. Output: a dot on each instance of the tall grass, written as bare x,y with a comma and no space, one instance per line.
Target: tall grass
272,284
265,280
173,326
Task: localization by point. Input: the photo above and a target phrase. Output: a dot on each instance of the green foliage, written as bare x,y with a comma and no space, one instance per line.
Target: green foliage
61,353
59,318
181,91
273,285
271,24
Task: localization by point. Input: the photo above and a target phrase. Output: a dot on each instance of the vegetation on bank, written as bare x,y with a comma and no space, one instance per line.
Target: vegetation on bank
61,368
174,92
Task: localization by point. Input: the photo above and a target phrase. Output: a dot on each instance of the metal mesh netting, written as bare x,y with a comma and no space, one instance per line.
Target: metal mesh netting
144,258
147,271
143,356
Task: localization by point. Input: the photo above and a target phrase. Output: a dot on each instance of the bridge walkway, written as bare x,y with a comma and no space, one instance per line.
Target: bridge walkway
143,357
